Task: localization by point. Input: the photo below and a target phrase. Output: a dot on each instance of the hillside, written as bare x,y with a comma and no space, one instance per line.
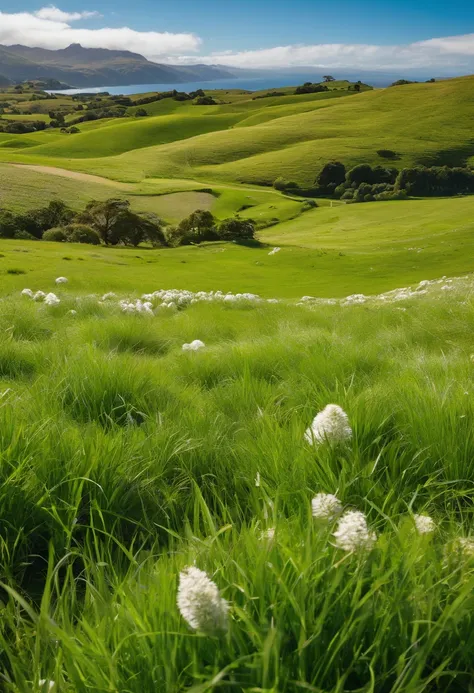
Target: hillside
92,67
255,140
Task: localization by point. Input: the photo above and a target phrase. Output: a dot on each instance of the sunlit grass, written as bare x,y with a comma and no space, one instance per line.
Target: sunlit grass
125,459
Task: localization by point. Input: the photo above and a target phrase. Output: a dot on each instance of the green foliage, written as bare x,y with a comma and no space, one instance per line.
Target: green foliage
57,234
331,175
236,229
435,181
81,233
198,227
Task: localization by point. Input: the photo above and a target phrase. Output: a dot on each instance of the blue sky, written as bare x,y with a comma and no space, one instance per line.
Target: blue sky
251,31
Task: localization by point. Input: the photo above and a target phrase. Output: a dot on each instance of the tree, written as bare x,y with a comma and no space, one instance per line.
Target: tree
8,224
236,229
141,113
104,217
328,78
331,175
115,223
198,227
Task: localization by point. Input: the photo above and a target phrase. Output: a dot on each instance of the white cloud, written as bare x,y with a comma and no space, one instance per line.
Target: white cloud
54,14
50,28
456,51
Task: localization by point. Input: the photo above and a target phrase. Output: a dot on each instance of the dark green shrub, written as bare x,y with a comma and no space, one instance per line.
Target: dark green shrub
81,233
57,234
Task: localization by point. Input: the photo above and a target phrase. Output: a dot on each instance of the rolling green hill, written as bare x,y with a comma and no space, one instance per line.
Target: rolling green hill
257,140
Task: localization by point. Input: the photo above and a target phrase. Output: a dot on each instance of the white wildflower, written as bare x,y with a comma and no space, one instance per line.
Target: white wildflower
52,300
326,506
193,346
109,296
424,524
352,532
72,312
200,603
274,251
268,535
61,280
39,295
330,425
27,292
465,546
257,479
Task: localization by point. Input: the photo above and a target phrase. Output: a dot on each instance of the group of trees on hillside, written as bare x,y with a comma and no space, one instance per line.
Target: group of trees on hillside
364,183
112,222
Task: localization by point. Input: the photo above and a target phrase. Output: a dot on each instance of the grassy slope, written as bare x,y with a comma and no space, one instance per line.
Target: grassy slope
22,188
100,515
326,252
415,120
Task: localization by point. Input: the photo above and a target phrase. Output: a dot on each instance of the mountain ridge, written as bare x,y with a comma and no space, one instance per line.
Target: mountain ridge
95,67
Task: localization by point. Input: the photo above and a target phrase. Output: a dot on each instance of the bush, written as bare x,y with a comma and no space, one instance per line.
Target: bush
57,234
21,235
279,184
330,177
141,113
235,229
387,154
81,233
8,224
198,227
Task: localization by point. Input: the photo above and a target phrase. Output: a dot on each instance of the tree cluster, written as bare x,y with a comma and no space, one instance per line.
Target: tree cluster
202,226
111,222
364,183
309,88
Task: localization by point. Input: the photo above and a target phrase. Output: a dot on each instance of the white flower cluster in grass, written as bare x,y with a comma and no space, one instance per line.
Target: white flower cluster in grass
353,534
52,300
424,524
331,425
195,345
200,603
426,286
274,251
137,306
326,507
62,280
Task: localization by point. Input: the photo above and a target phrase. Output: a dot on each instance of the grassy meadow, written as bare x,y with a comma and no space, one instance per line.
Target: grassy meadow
126,458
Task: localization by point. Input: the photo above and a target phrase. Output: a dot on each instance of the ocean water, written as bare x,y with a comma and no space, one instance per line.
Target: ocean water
250,84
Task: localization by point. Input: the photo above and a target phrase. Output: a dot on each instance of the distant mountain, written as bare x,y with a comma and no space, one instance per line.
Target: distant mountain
4,81
97,67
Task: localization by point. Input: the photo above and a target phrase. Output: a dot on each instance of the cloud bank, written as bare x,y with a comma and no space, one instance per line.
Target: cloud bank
455,51
51,27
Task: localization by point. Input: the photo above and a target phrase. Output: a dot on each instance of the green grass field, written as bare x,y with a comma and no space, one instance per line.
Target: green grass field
125,459
257,140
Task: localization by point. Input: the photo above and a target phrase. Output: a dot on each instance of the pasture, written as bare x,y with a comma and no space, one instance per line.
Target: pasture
126,459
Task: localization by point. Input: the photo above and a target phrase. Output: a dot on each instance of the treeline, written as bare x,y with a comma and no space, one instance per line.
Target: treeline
364,183
112,222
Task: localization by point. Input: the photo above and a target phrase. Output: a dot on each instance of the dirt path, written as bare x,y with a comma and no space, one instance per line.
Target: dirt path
87,177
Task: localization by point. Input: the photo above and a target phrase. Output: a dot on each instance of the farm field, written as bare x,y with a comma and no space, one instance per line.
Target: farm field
180,510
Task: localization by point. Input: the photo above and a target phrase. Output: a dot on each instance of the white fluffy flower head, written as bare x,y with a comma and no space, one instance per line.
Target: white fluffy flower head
27,292
330,425
326,506
52,300
352,533
200,603
195,345
424,524
61,280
